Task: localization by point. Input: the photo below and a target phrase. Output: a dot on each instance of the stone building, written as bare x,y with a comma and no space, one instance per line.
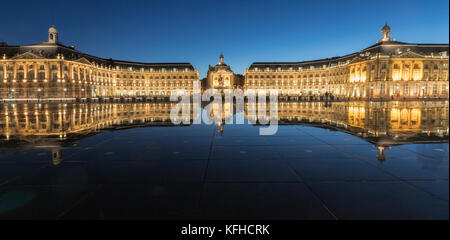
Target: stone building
387,69
53,70
221,77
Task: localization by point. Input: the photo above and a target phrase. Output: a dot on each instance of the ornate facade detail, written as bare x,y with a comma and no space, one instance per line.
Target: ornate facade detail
387,69
52,70
220,77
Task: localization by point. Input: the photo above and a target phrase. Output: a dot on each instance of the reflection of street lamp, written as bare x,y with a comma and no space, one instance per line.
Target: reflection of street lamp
381,155
56,157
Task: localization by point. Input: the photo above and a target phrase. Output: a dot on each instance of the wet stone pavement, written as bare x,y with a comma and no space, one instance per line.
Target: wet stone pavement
198,172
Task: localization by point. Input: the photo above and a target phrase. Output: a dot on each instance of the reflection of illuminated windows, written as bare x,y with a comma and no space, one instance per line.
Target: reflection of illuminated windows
415,116
395,114
404,116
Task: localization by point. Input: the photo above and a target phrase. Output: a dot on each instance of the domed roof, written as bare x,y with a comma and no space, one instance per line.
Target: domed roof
52,29
386,28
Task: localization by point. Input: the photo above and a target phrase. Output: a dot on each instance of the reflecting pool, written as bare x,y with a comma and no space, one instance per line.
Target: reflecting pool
338,160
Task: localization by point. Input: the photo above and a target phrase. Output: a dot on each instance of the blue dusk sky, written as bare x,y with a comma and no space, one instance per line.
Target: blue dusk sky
245,31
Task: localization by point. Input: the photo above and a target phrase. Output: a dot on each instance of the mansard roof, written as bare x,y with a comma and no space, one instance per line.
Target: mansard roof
51,50
218,67
384,48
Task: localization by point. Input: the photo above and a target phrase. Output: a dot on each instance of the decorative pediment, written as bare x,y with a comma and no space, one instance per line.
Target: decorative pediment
27,55
409,54
83,60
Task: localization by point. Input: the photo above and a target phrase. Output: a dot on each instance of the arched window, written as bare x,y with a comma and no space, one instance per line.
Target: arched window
30,75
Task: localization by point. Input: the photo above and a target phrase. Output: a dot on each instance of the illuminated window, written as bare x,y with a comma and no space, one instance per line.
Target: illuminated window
415,89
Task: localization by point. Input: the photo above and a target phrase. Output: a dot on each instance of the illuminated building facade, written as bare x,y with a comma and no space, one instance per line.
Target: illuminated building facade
52,70
387,69
219,77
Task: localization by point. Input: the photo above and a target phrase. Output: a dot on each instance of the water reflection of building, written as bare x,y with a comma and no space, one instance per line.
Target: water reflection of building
387,69
222,113
399,120
378,122
382,123
59,120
